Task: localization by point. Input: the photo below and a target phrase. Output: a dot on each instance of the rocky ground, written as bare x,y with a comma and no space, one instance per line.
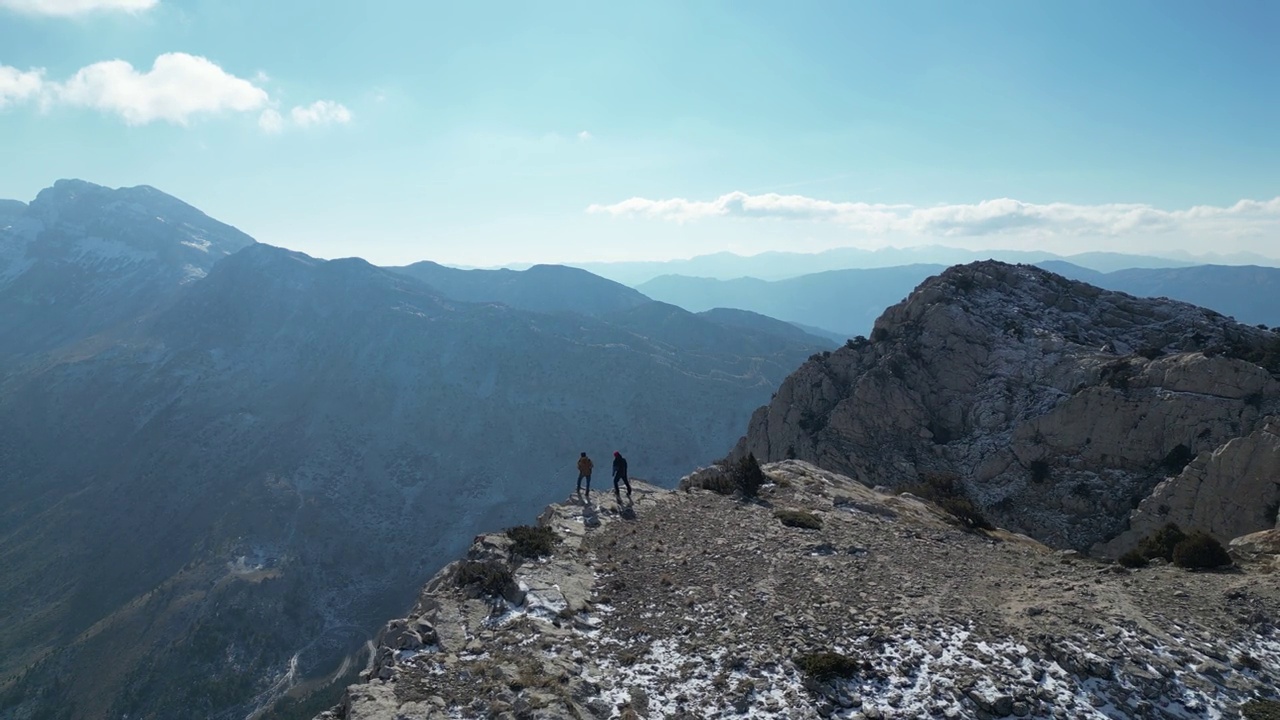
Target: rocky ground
696,605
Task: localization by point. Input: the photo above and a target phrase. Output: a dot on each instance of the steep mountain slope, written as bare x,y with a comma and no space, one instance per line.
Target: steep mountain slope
841,301
541,288
221,501
695,605
83,259
1249,293
687,335
747,320
1057,405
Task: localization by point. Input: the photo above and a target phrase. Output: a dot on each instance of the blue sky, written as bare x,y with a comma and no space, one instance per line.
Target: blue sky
485,133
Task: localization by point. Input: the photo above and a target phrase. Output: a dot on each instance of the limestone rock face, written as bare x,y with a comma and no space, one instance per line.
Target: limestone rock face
1229,492
1058,405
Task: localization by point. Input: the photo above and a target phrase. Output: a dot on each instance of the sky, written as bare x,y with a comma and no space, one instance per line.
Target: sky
485,133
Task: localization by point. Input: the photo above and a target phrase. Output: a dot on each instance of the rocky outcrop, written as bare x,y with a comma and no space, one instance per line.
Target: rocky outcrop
689,604
1058,406
1229,492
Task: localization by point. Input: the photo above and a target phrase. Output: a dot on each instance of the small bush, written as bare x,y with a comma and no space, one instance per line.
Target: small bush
963,509
1245,660
879,334
488,577
799,519
1161,543
1082,490
1200,550
531,541
747,477
1039,471
946,491
1132,559
1117,374
812,422
827,666
1177,459
719,483
1259,709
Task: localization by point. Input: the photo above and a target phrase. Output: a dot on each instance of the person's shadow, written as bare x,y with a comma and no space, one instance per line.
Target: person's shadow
589,516
628,511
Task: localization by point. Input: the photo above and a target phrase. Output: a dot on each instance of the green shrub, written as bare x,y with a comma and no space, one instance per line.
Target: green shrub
799,519
1039,471
531,541
946,491
721,484
1177,459
1259,709
1200,550
963,509
1161,543
739,476
1132,559
489,577
827,665
747,477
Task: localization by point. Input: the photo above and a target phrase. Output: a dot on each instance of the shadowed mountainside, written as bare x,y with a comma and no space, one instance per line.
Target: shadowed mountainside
215,502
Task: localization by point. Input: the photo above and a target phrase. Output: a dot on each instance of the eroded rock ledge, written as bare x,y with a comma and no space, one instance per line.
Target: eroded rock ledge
696,605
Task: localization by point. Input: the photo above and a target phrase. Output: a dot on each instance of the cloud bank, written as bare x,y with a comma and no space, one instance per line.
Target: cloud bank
177,88
68,8
1001,216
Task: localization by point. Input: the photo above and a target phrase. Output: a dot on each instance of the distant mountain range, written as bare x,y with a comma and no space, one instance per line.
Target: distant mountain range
846,302
224,463
540,288
783,265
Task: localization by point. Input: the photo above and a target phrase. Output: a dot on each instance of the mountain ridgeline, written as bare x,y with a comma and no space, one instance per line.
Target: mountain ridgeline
847,302
1057,406
226,463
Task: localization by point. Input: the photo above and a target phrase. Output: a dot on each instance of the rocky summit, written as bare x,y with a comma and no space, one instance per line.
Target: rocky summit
1082,417
821,597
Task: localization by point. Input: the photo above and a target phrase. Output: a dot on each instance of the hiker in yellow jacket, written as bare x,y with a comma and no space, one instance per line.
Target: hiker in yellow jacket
584,473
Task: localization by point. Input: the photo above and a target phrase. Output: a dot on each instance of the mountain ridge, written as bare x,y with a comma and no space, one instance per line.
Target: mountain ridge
1056,404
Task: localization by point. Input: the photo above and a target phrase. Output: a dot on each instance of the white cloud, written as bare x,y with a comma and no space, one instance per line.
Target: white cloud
271,121
321,112
1001,216
584,136
177,88
67,8
17,86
